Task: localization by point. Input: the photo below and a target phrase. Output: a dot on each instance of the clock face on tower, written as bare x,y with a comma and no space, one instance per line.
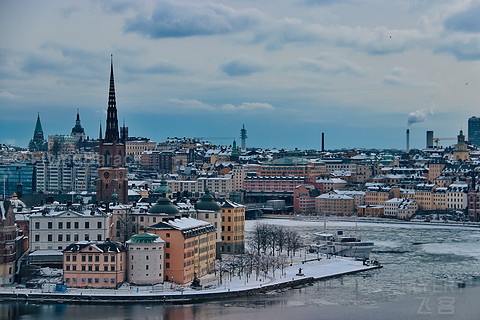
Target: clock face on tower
106,174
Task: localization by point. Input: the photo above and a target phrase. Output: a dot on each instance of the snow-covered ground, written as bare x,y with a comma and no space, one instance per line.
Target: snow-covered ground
315,268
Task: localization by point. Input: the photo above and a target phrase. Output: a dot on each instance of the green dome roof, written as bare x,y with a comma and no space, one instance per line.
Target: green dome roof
163,188
164,206
207,203
144,238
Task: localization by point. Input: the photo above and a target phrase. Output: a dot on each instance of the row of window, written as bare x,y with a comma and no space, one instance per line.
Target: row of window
68,237
106,268
68,225
89,280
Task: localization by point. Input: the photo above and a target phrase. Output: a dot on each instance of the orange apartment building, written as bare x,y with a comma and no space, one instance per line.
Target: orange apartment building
94,264
189,248
378,195
335,204
374,211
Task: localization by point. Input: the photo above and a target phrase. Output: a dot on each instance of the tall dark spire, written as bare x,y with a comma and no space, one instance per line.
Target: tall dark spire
111,132
38,127
100,134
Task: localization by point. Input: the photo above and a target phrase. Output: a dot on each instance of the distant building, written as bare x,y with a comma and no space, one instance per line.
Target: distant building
374,211
17,178
461,151
94,264
474,131
335,204
78,132
207,209
304,198
38,142
61,144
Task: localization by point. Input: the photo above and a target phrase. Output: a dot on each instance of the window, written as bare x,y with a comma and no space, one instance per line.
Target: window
37,237
97,280
97,258
75,237
141,219
112,280
87,225
146,257
105,268
76,224
50,237
50,225
90,268
99,225
69,225
112,268
167,255
87,237
167,265
99,237
168,235
90,258
167,245
60,225
68,238
105,258
97,268
74,267
74,280
84,258
105,280
37,225
74,258
112,259
67,267
67,257
89,280
206,215
146,267
84,268
67,280
60,237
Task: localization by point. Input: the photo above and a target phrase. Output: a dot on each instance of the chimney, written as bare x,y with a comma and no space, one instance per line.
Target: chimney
323,141
408,140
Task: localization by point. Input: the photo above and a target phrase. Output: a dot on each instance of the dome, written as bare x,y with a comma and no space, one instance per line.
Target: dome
164,206
144,237
207,203
163,188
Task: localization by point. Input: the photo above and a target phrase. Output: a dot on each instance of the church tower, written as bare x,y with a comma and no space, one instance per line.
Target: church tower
112,173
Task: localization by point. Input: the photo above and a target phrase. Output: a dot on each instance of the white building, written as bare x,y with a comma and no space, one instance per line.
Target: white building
145,259
457,196
55,227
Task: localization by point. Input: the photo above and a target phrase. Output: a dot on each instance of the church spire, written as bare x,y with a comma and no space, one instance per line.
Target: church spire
38,127
111,132
100,134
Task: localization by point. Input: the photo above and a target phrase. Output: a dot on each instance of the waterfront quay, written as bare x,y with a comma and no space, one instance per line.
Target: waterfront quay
301,272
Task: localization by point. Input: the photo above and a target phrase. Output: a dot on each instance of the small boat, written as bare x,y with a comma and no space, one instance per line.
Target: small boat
341,245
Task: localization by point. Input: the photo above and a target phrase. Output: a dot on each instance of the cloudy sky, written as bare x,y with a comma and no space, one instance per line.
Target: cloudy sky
362,71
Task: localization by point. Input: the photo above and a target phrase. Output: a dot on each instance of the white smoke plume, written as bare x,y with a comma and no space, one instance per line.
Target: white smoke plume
419,115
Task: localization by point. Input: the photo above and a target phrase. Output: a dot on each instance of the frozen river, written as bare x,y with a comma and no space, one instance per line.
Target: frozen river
430,272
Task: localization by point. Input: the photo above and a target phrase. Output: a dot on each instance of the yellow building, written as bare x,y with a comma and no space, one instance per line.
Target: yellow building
233,227
461,151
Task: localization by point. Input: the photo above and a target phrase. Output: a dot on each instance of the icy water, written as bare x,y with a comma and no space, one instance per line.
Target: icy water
430,272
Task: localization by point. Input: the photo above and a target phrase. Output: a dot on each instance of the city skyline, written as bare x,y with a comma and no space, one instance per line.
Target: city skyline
360,72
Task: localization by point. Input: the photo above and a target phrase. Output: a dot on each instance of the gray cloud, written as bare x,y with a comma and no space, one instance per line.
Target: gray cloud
249,106
420,115
172,19
242,66
162,67
467,21
465,49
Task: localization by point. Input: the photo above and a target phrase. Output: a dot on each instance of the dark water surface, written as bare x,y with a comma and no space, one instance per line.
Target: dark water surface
430,272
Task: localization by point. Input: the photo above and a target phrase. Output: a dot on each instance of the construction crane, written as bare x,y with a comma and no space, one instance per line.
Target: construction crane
84,178
437,140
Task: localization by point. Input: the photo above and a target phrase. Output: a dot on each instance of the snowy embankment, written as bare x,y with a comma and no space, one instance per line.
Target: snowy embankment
310,271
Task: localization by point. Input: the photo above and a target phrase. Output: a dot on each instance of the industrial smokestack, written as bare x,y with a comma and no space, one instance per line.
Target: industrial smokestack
408,140
430,139
323,141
